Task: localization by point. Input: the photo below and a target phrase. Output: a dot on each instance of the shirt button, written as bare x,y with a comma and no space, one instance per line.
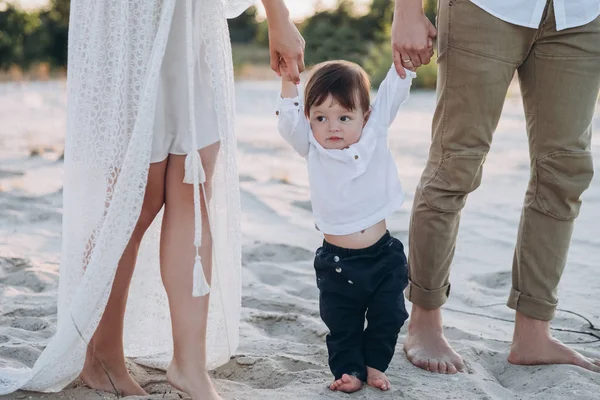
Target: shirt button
296,103
276,112
356,157
336,259
350,282
338,270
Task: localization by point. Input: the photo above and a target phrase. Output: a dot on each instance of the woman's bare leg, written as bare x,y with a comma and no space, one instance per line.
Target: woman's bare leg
187,370
105,350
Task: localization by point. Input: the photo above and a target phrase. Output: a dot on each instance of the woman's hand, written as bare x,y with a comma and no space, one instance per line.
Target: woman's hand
412,36
286,45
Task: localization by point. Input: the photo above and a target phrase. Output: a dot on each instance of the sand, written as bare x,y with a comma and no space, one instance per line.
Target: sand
282,353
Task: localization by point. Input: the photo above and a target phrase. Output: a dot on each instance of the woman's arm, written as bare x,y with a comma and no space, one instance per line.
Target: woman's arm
285,42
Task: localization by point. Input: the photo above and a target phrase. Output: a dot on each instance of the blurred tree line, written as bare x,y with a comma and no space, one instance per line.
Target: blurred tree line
28,38
33,37
340,33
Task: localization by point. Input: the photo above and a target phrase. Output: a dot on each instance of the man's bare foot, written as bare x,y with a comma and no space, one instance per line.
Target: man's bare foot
194,381
377,379
426,346
95,376
347,383
534,345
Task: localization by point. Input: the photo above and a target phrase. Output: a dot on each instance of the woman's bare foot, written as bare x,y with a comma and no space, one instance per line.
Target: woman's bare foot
95,376
426,346
195,383
534,345
377,379
347,383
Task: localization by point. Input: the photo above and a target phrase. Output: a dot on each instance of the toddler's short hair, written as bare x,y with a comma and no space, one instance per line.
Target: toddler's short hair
345,81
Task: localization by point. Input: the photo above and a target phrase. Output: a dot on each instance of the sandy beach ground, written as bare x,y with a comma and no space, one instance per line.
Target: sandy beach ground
282,353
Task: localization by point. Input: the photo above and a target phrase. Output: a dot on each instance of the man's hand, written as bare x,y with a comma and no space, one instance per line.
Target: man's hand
412,36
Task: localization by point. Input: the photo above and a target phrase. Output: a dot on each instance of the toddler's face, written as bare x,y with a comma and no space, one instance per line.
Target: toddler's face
335,127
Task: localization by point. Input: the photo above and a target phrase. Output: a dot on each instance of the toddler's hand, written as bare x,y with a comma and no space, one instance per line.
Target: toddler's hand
285,72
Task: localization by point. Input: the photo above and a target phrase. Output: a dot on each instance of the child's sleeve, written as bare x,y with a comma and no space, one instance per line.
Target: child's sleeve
293,125
392,92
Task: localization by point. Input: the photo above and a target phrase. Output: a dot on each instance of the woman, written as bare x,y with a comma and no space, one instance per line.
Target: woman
150,124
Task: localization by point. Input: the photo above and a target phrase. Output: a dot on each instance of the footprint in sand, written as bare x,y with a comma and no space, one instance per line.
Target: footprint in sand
275,252
305,205
31,324
290,327
10,174
10,265
267,372
35,281
48,310
494,280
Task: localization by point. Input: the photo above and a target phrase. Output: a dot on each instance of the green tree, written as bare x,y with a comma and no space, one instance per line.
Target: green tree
56,22
15,28
430,8
27,38
244,28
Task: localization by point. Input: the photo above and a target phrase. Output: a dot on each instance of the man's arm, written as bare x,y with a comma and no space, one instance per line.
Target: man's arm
412,36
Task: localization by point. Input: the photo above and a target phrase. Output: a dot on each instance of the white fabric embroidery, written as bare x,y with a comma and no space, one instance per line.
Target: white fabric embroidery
115,53
233,8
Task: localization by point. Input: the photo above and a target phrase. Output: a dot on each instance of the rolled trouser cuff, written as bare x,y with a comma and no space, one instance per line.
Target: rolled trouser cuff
429,299
531,307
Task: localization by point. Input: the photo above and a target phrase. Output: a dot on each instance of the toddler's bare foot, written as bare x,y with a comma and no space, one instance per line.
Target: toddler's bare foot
347,383
377,379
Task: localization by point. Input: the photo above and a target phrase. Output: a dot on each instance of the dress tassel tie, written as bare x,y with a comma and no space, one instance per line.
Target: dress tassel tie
194,172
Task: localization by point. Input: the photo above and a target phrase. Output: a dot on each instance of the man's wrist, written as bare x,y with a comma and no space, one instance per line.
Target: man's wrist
408,7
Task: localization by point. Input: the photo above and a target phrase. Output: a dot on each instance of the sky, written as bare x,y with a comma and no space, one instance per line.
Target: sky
298,8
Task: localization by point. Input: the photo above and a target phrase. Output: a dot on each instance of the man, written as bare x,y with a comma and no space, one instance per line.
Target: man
554,46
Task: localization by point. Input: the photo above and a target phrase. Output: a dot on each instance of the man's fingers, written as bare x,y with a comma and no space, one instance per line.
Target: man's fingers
398,64
415,61
425,55
432,30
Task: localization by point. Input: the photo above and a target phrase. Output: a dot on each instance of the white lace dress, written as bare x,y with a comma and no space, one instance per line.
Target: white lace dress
116,50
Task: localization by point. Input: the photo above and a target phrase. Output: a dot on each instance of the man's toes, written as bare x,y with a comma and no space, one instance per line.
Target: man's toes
586,363
443,367
433,366
423,364
594,366
450,368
